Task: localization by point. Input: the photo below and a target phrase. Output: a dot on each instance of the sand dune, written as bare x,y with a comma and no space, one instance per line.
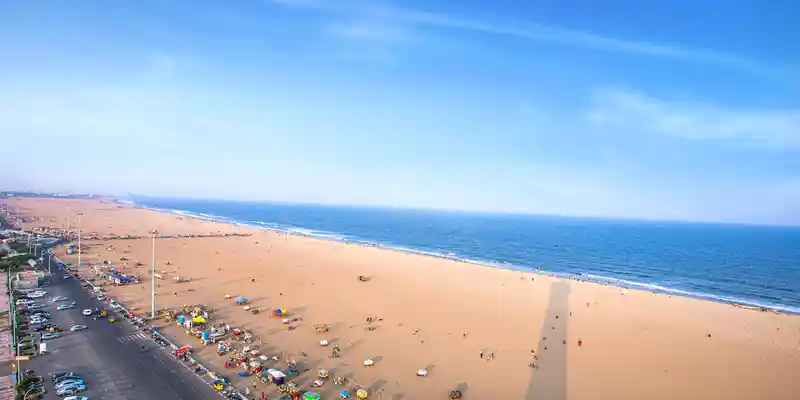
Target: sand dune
472,326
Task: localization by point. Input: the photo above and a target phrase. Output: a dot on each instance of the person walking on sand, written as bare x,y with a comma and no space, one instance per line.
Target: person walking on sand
481,354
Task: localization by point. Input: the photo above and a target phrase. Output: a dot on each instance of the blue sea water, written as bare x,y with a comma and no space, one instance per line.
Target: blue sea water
753,265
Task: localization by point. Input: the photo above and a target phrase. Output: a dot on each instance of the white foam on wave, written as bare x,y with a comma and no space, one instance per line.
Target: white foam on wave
315,233
687,293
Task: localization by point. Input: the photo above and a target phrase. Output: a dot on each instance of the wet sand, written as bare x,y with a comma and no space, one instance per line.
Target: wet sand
442,314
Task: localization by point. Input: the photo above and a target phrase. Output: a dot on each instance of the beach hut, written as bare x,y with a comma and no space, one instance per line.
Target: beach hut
241,300
277,377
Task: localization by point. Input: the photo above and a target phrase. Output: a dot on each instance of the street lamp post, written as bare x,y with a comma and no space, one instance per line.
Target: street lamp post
79,239
49,262
153,279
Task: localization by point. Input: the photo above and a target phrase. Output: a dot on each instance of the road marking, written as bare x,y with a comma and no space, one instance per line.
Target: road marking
132,337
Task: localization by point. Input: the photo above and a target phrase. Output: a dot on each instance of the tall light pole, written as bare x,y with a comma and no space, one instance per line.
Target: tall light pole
68,231
49,262
153,279
79,239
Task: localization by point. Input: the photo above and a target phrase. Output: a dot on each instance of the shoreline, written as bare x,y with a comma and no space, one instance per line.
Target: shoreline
605,281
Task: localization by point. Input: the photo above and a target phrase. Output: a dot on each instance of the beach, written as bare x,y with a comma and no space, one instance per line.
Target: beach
473,327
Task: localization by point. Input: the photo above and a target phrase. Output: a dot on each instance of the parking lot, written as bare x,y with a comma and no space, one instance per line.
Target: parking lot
107,355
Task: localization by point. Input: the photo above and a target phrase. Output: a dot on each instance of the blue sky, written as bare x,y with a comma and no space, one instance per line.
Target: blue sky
659,109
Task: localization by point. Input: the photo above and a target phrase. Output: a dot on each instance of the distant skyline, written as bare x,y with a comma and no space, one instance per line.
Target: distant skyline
661,110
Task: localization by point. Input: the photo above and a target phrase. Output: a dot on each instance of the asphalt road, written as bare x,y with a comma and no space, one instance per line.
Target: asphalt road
107,356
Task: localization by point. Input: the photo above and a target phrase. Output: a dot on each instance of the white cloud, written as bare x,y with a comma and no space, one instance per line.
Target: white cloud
625,109
542,33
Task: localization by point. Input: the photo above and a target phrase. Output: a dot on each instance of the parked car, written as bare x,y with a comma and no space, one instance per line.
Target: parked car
65,307
87,312
76,328
69,382
48,336
76,398
63,374
70,390
60,298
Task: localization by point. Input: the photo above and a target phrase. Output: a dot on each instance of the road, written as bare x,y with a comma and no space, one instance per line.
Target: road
108,357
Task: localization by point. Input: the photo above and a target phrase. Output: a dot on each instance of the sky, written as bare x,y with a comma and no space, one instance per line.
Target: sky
660,109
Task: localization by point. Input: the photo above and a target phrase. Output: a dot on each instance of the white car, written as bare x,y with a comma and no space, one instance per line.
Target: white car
87,312
76,328
60,298
101,297
76,398
65,307
22,302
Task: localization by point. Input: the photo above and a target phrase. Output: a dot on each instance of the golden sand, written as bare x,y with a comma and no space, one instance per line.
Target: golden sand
469,325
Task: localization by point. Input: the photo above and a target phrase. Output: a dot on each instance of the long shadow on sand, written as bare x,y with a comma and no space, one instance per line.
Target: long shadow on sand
549,380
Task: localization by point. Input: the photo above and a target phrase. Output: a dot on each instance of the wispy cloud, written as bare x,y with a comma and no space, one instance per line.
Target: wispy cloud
626,109
369,31
548,34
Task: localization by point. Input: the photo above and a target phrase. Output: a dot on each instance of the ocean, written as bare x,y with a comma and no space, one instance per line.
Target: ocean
751,265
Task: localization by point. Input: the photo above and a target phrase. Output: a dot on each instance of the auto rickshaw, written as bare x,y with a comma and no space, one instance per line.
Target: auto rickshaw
52,329
218,385
323,374
112,320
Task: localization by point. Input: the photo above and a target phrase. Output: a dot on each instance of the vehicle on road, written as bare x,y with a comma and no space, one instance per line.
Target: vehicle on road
87,312
59,298
76,328
46,328
66,276
34,306
112,320
48,336
70,390
101,297
65,307
76,398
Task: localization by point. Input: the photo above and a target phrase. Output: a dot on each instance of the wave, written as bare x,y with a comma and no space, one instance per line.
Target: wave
687,293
